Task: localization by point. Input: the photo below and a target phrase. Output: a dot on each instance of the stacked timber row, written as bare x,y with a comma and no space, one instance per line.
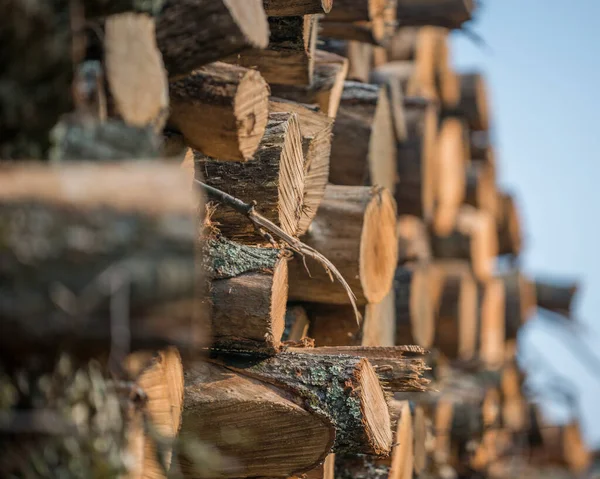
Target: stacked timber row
267,227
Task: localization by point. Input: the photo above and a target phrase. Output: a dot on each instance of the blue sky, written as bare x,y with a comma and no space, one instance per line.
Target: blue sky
543,71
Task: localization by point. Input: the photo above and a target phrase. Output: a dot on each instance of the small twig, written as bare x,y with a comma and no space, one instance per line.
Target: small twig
260,222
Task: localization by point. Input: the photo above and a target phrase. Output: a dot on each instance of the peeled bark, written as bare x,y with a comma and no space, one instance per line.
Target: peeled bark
329,74
193,33
87,241
355,229
221,110
289,57
315,129
473,239
556,296
520,301
274,178
451,156
449,14
248,295
415,321
510,239
363,149
281,8
413,240
492,333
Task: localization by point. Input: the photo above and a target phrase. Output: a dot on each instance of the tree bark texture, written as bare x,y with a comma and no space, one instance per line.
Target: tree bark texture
193,33
274,178
282,8
449,14
221,110
355,229
473,105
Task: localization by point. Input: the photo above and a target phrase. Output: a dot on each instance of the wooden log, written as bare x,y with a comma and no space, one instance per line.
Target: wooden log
342,387
221,110
359,55
473,238
135,74
509,225
296,323
161,379
492,333
102,8
315,129
356,10
362,245
324,471
420,436
193,33
455,297
413,240
487,450
248,295
289,57
415,322
514,412
480,187
556,296
363,148
329,74
274,178
482,149
103,223
229,411
283,8
373,33
449,14
396,99
520,301
335,324
473,105
415,193
451,156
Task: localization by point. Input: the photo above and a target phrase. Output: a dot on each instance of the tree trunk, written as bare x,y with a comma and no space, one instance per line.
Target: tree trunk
326,88
492,334
283,8
316,145
556,296
248,294
289,57
363,130
355,229
413,240
242,419
135,74
342,387
449,14
222,110
473,105
473,238
510,239
451,156
415,322
456,327
481,191
117,269
520,301
274,178
193,33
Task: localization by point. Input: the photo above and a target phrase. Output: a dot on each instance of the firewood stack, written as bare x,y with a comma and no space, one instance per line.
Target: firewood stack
268,233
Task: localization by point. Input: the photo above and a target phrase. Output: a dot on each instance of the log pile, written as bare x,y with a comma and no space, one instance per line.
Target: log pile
265,245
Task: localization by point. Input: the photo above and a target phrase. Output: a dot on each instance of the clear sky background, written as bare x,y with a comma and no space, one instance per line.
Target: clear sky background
542,64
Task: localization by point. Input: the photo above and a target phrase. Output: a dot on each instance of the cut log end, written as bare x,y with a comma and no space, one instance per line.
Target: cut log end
492,329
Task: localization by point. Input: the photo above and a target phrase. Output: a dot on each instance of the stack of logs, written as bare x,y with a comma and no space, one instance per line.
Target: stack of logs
231,145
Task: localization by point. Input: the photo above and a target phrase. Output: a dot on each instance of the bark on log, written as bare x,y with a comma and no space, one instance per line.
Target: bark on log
451,156
473,105
492,333
87,241
248,295
556,296
326,88
449,14
243,419
161,380
363,148
289,57
520,301
455,297
283,8
193,33
222,110
415,321
473,238
371,33
509,225
341,387
481,191
316,145
359,55
135,73
413,240
274,178
357,10
355,229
